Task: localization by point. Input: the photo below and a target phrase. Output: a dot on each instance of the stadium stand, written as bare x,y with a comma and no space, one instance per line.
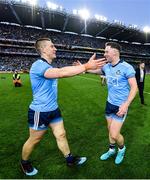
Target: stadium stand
21,25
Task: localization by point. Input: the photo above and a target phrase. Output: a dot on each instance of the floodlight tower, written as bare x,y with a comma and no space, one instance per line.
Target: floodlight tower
32,2
100,18
52,6
146,29
85,15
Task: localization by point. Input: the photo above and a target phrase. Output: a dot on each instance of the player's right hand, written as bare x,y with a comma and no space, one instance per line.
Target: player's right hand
94,63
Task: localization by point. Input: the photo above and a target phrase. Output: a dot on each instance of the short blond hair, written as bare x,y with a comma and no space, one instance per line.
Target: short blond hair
39,42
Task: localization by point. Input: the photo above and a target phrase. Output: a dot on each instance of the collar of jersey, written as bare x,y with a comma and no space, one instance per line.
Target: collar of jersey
44,60
120,61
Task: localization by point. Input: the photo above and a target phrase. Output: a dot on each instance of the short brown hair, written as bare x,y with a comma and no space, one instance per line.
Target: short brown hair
114,45
38,43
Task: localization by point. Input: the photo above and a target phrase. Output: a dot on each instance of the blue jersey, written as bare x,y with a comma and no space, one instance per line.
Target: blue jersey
117,81
44,90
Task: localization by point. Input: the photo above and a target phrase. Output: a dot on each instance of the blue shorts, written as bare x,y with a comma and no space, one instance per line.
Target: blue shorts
111,112
41,120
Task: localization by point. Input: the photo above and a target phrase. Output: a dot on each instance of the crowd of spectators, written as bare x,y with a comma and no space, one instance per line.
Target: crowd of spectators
23,63
31,34
17,48
12,63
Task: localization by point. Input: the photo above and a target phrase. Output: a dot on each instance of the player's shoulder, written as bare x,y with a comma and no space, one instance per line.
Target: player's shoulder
125,64
106,65
40,63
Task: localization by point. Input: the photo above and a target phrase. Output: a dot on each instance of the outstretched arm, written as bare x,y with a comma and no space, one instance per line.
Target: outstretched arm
69,71
95,71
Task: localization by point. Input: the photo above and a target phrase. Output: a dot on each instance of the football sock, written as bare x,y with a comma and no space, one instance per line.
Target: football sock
69,158
121,147
24,161
112,146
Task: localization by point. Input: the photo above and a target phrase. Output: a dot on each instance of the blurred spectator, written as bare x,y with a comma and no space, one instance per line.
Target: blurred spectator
103,80
140,78
17,79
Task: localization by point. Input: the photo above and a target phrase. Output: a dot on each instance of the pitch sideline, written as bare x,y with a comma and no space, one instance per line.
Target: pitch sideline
99,81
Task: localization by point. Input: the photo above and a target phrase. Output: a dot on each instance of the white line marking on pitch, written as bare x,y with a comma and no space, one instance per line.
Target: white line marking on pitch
89,78
99,81
146,92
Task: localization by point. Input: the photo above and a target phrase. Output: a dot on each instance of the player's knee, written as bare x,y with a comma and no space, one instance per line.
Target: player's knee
114,136
61,135
35,140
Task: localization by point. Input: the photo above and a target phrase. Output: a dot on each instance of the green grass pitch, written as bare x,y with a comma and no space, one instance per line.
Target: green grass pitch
82,101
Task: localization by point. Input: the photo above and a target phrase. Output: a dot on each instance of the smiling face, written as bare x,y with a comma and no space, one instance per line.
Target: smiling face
110,53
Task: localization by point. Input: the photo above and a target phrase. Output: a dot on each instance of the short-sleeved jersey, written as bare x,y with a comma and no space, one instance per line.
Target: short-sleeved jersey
117,81
44,90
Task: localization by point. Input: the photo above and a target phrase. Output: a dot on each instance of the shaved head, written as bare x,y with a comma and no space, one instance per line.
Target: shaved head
40,44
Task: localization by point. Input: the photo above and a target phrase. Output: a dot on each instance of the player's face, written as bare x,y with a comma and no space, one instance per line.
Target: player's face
50,49
109,53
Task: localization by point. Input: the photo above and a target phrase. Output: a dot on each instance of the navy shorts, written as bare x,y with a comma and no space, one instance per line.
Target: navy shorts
111,112
41,120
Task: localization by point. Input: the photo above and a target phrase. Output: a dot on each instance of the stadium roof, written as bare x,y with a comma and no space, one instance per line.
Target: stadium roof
24,14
